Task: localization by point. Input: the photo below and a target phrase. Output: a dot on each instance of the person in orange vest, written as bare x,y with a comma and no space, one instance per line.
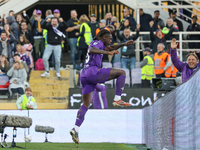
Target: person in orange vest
160,59
102,25
170,70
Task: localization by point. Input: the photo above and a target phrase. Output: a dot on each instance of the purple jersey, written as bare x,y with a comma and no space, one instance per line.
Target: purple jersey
94,59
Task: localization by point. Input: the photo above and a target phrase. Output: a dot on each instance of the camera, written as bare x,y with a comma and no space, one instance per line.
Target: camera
163,84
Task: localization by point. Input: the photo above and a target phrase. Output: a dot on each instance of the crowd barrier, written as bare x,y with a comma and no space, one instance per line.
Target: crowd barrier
173,122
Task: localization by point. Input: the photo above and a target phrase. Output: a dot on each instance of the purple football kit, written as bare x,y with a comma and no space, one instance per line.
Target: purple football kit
92,72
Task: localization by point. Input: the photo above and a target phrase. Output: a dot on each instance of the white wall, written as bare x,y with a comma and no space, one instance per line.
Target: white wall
117,126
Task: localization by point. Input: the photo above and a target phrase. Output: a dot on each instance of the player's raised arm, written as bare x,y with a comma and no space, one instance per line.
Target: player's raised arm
113,47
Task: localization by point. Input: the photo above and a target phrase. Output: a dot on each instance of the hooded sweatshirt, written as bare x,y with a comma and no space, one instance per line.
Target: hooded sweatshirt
13,25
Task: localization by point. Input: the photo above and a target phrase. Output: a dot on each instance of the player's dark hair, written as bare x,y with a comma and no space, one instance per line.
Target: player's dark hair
101,34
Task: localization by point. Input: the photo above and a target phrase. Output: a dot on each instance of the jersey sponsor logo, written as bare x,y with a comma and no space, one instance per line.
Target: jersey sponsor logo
95,43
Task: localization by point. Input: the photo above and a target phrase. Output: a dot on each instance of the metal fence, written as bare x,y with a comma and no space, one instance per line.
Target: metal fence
173,122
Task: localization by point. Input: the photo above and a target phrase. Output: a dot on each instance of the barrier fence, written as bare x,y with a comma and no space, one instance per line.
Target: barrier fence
173,122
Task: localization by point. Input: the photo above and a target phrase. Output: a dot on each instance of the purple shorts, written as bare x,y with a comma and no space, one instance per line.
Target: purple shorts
91,76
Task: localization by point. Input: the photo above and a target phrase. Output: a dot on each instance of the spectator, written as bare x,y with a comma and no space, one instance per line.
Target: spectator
18,59
170,70
156,19
48,14
73,28
159,37
114,21
24,99
84,38
18,77
4,65
56,13
126,24
28,50
13,25
128,52
108,17
54,38
178,22
147,65
39,42
128,16
19,20
25,56
7,28
160,59
5,44
144,22
23,40
93,24
188,68
99,97
11,13
26,17
26,32
194,27
102,25
171,24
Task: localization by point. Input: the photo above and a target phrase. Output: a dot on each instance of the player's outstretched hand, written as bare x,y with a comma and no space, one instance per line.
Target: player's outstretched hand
129,42
173,43
113,52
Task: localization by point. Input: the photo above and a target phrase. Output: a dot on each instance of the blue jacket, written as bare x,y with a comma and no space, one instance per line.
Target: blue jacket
34,25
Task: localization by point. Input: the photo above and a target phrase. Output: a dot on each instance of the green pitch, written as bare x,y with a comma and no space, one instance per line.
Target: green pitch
81,146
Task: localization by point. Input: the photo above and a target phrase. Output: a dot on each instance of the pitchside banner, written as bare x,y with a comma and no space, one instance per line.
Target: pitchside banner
137,97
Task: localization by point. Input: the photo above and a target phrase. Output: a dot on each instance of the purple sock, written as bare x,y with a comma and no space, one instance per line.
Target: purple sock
120,84
81,115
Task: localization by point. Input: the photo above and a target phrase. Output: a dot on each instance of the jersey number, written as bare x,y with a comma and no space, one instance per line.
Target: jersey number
87,58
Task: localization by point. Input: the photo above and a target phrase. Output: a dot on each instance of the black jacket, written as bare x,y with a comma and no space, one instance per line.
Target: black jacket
52,37
93,27
144,22
130,48
179,24
155,25
155,40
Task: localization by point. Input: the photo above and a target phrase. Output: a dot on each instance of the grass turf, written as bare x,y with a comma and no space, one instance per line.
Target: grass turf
81,146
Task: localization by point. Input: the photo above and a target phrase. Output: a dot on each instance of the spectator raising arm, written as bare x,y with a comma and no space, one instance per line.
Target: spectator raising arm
175,60
152,36
134,37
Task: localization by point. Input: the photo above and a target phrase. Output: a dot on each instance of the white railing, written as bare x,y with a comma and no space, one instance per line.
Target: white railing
181,41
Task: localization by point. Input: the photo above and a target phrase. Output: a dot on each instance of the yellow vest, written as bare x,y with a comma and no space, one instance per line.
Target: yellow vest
148,69
87,34
25,101
44,32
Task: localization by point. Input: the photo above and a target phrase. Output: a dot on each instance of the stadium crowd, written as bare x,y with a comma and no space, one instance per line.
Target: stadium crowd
28,42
